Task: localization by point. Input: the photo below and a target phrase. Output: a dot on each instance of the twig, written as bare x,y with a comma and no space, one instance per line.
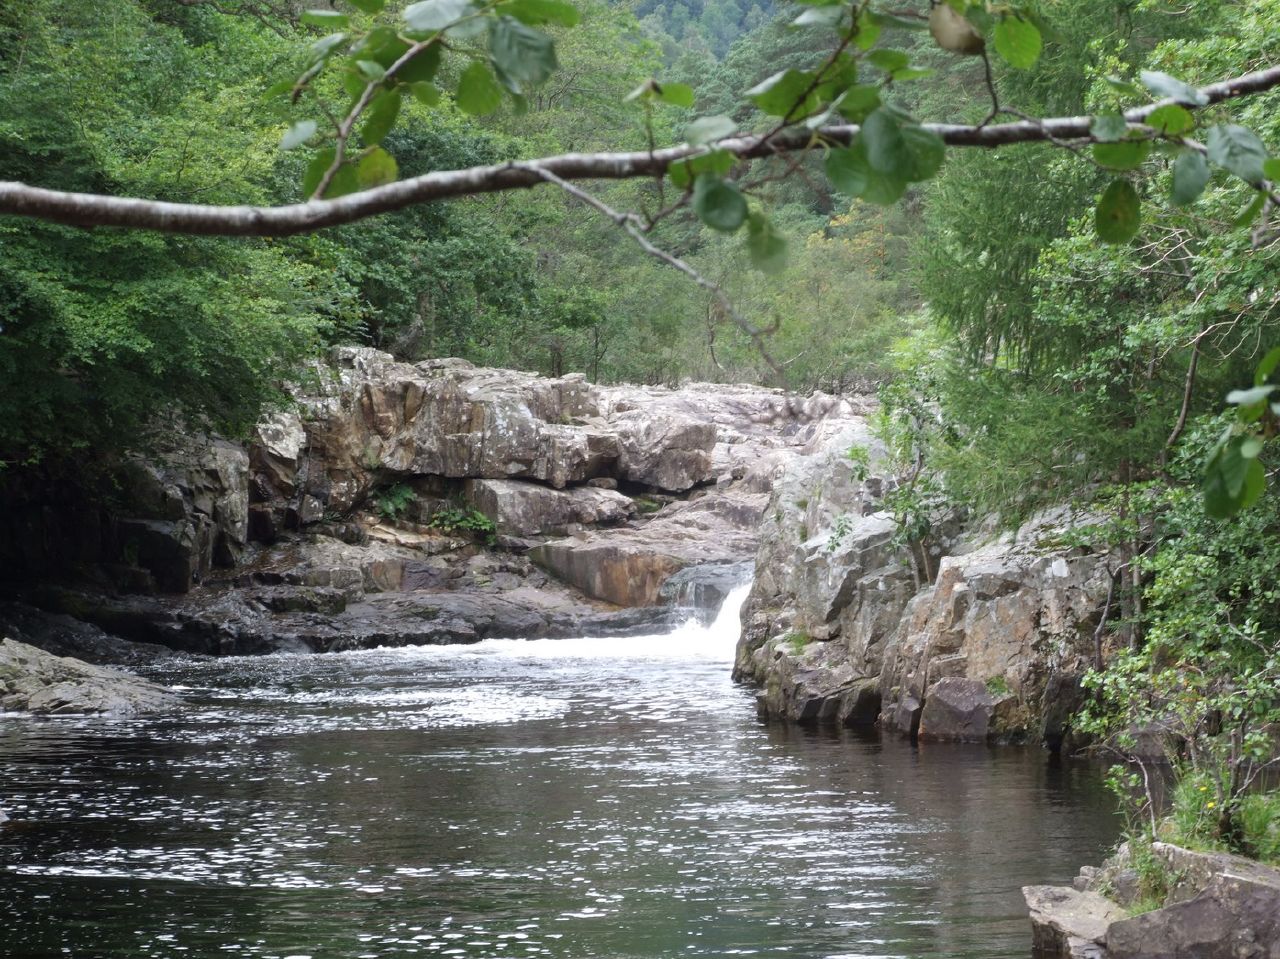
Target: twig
634,226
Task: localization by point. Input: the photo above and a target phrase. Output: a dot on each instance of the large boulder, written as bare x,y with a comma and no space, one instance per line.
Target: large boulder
1068,923
520,508
32,680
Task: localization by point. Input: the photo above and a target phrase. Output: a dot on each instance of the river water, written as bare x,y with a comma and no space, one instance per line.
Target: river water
576,799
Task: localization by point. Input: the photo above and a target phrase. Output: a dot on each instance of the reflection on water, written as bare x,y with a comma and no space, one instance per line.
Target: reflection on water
563,798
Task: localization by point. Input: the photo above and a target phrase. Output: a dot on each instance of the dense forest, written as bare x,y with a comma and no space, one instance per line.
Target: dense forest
1020,361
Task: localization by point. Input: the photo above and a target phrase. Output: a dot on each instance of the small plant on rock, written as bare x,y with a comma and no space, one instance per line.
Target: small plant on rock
392,502
465,520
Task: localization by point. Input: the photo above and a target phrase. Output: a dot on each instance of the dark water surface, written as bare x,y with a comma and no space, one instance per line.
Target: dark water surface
572,798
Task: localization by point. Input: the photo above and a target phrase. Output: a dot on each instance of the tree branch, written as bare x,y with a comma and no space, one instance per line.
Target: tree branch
89,209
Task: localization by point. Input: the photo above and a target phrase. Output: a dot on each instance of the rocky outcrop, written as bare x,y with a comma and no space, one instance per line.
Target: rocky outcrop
977,636
32,680
439,502
1218,906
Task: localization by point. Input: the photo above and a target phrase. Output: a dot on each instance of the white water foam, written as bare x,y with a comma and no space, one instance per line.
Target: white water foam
691,640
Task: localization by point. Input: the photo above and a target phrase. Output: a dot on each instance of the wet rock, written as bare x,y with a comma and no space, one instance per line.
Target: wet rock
704,588
35,681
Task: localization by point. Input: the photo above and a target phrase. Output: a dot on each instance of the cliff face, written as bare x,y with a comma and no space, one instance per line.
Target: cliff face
351,518
844,626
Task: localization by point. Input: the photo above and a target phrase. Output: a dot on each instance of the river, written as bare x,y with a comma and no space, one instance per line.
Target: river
575,799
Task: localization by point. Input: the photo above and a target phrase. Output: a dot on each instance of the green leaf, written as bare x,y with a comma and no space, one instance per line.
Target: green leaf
368,6
1232,481
708,129
1250,212
718,203
850,172
1171,120
478,91
1190,175
899,23
1271,170
380,117
1237,150
1267,366
866,31
857,102
278,89
298,134
423,66
767,248
888,60
1126,87
430,15
1165,86
819,17
344,181
904,150
718,162
535,12
354,82
315,170
677,94
1250,396
522,56
911,73
325,18
376,168
1251,447
1125,155
1018,41
323,48
1119,213
425,93
1109,127
372,69
787,93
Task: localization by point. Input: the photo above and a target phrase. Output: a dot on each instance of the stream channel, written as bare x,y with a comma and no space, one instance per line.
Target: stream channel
577,799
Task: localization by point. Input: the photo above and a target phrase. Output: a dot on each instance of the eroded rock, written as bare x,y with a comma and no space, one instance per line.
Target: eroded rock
32,680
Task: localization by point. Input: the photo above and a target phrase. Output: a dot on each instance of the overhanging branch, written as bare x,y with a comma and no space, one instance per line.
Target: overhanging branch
89,210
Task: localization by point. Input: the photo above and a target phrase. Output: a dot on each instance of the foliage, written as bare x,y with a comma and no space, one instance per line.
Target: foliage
1207,678
393,501
102,329
458,518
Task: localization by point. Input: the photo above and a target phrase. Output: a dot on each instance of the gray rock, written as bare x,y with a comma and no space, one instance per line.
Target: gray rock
63,635
520,508
1012,613
960,711
1067,923
629,566
32,680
